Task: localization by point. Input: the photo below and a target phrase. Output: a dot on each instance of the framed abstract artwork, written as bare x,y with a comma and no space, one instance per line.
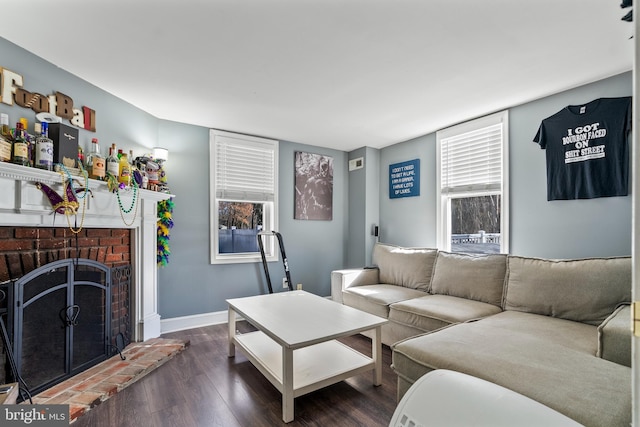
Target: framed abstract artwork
313,186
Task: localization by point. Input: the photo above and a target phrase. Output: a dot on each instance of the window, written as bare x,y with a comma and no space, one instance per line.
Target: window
244,196
472,211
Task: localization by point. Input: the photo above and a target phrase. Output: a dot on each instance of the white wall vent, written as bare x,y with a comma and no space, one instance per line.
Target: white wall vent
356,164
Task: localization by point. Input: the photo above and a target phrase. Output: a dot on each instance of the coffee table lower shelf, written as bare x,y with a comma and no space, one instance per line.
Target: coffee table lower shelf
314,367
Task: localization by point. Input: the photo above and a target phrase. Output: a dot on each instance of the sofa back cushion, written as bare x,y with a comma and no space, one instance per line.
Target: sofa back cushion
408,267
583,290
475,277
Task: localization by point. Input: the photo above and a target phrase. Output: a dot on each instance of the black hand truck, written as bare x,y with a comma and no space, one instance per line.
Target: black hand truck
264,258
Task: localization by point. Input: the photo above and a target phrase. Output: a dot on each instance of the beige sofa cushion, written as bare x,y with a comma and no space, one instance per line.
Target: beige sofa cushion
584,290
408,267
475,277
375,299
432,312
614,337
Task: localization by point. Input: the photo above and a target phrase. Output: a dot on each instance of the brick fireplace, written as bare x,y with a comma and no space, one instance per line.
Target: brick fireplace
25,249
32,236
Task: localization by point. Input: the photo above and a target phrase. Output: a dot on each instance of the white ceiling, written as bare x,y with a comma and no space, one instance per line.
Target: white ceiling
334,73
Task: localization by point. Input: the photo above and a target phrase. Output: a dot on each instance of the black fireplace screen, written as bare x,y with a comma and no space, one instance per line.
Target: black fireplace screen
61,324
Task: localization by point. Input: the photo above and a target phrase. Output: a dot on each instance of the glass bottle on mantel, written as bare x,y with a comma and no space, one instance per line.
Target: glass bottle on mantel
113,166
4,123
20,152
125,170
30,139
5,139
43,147
80,163
95,162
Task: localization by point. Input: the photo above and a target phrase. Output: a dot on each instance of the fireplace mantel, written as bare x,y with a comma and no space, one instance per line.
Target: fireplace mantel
23,205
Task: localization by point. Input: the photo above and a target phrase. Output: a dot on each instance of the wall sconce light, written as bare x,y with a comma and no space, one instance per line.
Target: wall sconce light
160,154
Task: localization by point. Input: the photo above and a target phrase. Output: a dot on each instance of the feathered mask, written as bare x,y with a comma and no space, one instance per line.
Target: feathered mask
67,204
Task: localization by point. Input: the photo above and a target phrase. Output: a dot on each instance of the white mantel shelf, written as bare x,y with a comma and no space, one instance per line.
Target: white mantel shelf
22,204
20,195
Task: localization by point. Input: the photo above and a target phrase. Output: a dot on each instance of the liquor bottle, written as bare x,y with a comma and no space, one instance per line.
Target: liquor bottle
4,123
145,180
124,175
95,162
80,162
25,128
133,168
44,148
5,139
30,140
113,166
20,152
5,149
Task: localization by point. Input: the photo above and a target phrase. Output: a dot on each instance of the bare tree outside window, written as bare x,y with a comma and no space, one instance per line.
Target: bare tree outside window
475,224
239,224
239,215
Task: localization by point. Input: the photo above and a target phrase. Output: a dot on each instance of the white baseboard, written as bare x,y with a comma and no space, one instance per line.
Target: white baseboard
175,324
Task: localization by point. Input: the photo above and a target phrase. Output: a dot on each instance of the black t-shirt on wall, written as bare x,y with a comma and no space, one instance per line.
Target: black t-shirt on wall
587,151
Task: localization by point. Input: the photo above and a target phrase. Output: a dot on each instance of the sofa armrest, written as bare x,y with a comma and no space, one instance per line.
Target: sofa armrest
614,337
343,279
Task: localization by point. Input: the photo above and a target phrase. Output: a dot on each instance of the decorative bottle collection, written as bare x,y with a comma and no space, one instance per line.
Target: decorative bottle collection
40,150
119,170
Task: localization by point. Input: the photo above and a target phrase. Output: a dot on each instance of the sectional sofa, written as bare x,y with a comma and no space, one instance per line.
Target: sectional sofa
556,331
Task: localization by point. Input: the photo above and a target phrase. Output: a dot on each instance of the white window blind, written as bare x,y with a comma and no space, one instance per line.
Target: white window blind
245,170
472,161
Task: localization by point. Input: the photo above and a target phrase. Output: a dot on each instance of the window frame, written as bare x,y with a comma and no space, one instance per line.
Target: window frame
443,199
270,209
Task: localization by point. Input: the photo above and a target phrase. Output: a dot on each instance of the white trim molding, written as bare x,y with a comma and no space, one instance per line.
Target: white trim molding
182,323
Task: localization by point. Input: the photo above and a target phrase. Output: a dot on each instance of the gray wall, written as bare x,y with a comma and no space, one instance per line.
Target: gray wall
372,217
410,221
364,195
116,121
562,228
558,229
356,245
189,284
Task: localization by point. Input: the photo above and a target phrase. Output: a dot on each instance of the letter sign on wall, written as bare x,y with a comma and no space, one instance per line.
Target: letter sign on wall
404,179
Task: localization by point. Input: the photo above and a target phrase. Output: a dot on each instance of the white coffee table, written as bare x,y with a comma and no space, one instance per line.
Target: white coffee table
295,347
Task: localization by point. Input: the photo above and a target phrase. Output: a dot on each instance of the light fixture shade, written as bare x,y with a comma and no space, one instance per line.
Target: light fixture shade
160,153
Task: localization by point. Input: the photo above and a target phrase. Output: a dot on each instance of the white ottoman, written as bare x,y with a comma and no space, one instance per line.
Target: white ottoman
447,398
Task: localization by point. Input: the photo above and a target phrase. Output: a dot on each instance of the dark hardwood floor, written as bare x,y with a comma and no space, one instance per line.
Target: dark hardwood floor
202,386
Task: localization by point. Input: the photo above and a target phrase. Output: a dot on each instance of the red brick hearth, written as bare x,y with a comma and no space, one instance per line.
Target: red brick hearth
95,385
